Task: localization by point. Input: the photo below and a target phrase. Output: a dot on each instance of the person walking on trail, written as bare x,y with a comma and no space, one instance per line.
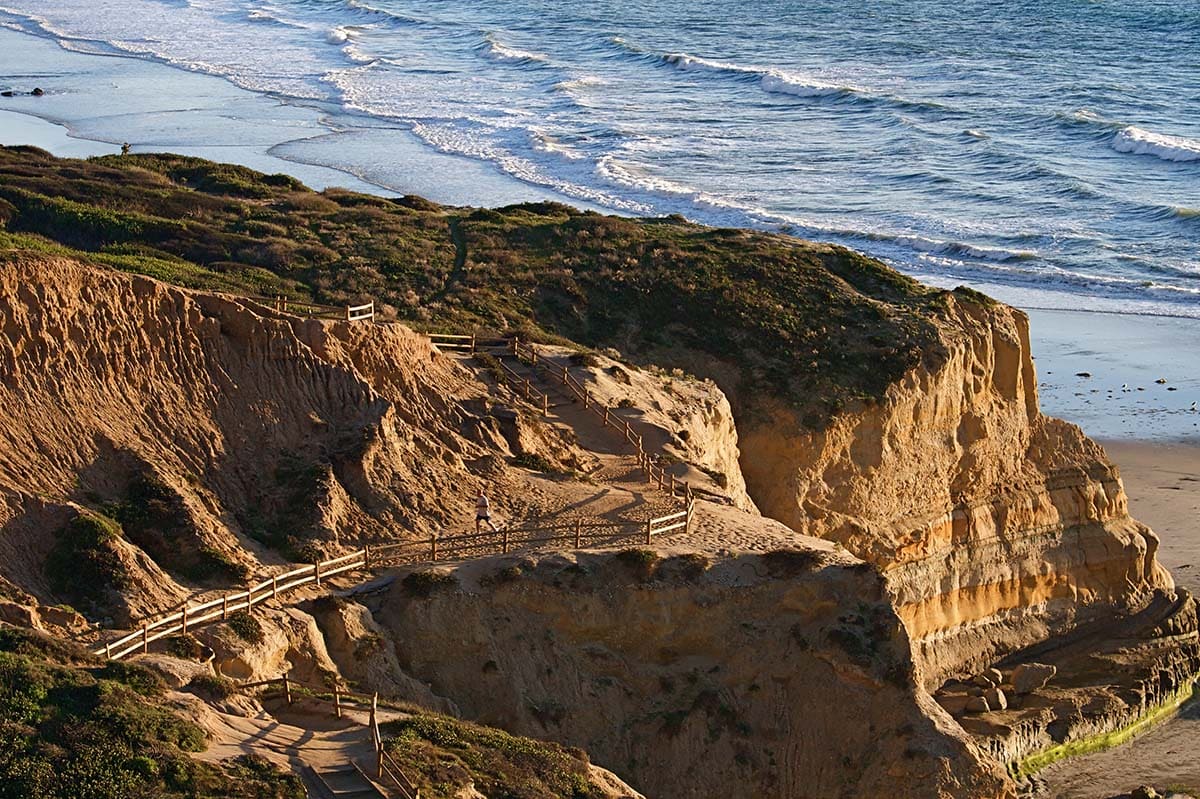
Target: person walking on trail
483,513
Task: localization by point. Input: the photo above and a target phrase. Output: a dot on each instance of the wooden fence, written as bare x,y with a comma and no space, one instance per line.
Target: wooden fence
350,313
473,343
387,770
576,533
655,474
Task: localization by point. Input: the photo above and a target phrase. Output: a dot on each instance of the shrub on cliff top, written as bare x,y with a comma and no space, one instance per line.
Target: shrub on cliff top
818,325
246,627
442,756
424,583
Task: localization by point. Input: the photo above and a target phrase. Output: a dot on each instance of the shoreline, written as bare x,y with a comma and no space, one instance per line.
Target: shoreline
95,101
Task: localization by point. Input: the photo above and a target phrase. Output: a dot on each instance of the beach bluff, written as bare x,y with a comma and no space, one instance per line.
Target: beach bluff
774,520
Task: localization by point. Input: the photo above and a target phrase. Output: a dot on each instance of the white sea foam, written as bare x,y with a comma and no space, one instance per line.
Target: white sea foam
770,80
338,35
500,51
1145,142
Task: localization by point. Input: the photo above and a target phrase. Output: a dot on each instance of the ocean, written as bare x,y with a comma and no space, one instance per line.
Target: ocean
1048,151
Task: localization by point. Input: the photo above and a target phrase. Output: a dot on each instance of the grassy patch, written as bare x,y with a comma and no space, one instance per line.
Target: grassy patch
152,515
818,325
1095,743
98,732
84,566
443,755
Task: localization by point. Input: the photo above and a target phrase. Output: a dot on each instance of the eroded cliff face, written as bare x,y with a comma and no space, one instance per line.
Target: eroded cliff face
785,674
240,433
995,526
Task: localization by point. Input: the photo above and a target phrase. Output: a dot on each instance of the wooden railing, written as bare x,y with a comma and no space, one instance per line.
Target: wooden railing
436,548
193,616
386,767
350,313
471,343
655,474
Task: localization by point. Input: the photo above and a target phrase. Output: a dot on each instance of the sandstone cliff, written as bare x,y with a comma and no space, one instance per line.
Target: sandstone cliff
783,674
218,432
995,525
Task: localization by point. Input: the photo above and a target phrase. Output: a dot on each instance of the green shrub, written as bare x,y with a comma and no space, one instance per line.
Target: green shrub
84,563
246,627
533,462
424,583
99,733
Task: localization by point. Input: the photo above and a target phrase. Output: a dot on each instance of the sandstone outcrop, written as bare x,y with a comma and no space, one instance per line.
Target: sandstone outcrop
242,432
996,526
782,674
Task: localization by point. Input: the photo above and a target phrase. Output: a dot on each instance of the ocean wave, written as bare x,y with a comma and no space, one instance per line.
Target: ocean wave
1145,142
500,51
575,84
773,80
338,35
266,15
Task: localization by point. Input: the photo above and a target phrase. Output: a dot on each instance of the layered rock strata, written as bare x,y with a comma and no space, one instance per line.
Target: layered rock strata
785,674
996,526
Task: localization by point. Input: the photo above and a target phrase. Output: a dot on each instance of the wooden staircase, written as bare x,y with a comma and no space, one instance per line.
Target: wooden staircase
343,782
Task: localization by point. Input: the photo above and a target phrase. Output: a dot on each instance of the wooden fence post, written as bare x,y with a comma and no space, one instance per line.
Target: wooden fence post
108,651
274,585
317,572
545,405
337,701
287,689
472,343
433,547
578,532
184,625
347,313
504,543
649,530
606,416
145,639
367,556
587,397
512,345
224,606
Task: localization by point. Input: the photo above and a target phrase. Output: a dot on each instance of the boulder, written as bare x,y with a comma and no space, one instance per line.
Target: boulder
996,699
1145,792
20,615
62,617
978,704
989,679
1029,677
954,704
176,671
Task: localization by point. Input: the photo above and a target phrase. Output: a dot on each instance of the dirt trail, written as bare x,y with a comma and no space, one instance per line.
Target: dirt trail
295,737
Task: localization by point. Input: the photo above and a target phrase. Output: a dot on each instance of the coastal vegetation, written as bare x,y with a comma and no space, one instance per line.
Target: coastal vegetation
75,727
819,324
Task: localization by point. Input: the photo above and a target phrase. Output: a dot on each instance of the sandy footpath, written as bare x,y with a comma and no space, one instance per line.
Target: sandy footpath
1163,483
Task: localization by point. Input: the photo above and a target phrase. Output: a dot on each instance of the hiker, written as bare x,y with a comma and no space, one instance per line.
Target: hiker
483,512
